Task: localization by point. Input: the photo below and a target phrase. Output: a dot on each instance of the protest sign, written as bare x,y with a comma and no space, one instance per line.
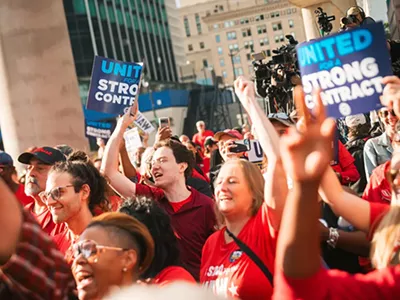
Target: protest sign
132,142
348,68
255,154
114,85
144,124
99,129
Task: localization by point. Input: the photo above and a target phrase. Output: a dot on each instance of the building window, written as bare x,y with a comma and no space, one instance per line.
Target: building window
259,18
251,70
291,24
289,11
246,32
231,35
262,29
277,39
216,26
266,1
205,63
268,52
277,14
248,44
217,38
264,42
198,23
293,10
222,62
234,47
224,74
220,51
236,59
273,15
277,26
244,21
282,38
248,56
190,47
202,45
238,71
187,28
293,35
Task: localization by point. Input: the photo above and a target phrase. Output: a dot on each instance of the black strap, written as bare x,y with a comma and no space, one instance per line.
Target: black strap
254,257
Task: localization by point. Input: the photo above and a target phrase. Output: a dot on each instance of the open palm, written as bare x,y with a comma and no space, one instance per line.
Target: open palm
306,152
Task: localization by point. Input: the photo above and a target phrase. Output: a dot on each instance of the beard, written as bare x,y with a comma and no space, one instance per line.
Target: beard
32,187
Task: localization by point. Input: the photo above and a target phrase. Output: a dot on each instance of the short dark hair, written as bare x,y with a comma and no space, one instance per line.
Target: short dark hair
181,154
158,222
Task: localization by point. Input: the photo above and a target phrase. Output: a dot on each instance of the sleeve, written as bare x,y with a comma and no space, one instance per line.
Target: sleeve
370,162
334,284
372,192
376,214
37,270
349,171
147,191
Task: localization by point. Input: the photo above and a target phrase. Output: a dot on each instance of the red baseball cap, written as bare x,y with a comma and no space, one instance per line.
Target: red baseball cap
230,132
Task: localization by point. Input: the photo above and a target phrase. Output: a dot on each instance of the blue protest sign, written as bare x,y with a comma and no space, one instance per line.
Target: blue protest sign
348,68
99,129
114,85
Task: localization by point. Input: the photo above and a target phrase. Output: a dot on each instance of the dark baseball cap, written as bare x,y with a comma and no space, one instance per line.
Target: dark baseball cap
281,118
209,141
46,155
6,159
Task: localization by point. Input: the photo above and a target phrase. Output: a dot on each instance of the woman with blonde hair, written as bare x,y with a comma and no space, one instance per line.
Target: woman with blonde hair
112,252
238,260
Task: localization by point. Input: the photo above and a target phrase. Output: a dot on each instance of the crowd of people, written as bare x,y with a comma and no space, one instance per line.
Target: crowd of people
319,218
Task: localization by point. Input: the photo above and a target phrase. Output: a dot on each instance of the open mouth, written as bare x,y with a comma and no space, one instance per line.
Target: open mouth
157,175
84,279
224,198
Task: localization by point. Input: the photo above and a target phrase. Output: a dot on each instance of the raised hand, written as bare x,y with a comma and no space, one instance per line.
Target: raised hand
391,93
163,133
245,91
130,116
306,152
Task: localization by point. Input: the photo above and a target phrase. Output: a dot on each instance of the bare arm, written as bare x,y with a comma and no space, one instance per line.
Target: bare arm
354,209
10,223
275,190
127,167
109,165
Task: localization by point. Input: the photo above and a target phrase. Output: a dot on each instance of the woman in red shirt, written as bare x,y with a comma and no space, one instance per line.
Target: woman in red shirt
166,266
248,213
299,274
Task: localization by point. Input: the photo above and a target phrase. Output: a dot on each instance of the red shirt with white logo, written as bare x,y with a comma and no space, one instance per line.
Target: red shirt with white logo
229,272
378,188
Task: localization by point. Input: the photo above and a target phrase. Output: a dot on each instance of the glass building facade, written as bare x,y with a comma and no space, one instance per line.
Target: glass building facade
128,30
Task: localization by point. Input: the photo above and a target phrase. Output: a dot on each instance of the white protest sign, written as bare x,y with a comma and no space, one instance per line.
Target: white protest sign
255,154
132,142
143,123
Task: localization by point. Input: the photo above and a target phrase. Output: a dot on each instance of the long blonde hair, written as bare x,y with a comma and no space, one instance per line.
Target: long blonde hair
255,182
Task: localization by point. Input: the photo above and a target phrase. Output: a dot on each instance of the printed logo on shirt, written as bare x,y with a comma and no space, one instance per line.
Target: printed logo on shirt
386,195
235,255
221,283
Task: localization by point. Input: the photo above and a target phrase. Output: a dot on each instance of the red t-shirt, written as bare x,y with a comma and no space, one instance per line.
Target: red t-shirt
334,284
45,221
206,166
63,241
172,274
346,166
200,138
378,189
193,223
178,205
229,272
22,197
115,202
196,174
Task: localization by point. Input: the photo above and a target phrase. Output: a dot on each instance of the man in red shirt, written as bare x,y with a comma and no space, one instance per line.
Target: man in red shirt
7,171
192,213
200,137
39,162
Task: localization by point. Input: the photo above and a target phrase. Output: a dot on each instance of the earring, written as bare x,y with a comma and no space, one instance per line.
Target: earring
124,269
96,260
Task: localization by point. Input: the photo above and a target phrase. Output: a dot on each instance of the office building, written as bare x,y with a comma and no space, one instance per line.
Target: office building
129,30
221,33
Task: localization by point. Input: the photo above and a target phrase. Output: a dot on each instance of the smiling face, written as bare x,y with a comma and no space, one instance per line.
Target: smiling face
389,119
70,203
232,192
96,275
223,143
165,170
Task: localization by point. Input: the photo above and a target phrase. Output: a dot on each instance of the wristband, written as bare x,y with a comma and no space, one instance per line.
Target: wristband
333,237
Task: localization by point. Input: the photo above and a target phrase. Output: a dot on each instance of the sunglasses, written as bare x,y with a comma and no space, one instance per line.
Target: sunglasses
385,113
90,250
55,193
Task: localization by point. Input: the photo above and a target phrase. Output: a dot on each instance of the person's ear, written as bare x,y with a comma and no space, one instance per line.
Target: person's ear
85,191
182,167
130,260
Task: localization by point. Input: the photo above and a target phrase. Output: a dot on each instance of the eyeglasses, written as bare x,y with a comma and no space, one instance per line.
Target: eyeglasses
90,250
55,193
385,113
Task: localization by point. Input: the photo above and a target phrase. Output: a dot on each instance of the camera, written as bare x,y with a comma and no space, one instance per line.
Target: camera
324,21
273,79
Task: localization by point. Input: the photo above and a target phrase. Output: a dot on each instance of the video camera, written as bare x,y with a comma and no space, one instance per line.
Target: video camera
282,67
324,21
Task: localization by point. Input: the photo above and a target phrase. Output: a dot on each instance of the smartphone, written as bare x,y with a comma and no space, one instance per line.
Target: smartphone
241,147
164,122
